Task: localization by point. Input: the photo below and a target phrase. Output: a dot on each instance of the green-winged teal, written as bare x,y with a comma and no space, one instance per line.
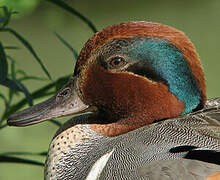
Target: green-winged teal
143,86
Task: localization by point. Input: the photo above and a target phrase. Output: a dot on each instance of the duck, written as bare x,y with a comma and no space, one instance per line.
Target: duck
138,97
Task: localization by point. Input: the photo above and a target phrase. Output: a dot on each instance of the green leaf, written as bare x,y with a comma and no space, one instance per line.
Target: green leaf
31,78
61,82
29,47
8,159
55,122
44,153
17,85
74,12
11,94
6,102
3,64
11,47
11,59
23,73
4,99
26,77
10,84
5,16
75,54
21,85
3,126
25,91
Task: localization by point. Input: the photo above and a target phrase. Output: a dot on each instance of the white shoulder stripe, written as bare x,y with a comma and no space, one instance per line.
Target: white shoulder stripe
99,165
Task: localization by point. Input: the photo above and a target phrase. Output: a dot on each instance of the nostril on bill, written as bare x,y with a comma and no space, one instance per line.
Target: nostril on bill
65,93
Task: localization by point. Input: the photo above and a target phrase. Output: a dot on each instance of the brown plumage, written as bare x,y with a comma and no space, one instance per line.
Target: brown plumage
150,29
134,100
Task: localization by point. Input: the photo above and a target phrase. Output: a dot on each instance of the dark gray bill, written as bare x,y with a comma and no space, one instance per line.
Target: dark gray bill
66,102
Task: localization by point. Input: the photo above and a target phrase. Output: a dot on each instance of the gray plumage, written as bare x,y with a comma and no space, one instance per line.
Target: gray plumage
157,151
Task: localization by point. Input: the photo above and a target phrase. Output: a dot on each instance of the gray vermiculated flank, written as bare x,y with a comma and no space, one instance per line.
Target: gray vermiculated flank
145,152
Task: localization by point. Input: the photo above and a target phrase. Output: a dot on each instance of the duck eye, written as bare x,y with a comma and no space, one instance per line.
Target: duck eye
117,62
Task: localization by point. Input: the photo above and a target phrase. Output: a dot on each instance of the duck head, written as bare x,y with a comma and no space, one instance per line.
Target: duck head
133,73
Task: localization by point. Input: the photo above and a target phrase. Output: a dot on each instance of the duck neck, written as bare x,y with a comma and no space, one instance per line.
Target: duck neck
123,125
113,129
138,115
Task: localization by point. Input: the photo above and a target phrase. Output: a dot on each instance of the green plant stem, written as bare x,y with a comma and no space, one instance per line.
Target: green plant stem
55,122
44,153
75,12
9,159
3,126
28,46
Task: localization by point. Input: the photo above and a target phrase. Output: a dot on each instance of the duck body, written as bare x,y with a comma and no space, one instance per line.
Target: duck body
143,86
180,148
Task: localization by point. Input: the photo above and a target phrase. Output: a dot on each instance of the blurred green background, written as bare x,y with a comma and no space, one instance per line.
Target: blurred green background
38,20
